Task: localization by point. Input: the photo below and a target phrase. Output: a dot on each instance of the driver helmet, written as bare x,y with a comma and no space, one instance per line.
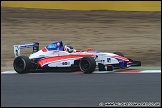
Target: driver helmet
68,48
58,44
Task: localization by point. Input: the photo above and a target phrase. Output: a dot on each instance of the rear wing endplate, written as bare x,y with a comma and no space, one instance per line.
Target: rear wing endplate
34,45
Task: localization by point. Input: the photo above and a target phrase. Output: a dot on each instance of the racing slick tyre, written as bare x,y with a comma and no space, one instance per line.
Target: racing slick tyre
22,64
119,53
87,65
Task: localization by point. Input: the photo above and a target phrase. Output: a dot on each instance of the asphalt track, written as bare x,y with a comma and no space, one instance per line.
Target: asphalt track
76,89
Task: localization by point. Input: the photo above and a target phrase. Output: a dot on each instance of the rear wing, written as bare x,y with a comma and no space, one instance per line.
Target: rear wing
34,45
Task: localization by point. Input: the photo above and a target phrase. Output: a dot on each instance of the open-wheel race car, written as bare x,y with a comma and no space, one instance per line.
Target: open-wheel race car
56,57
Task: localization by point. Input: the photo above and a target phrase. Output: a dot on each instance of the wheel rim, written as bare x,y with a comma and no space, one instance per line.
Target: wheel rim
19,65
85,65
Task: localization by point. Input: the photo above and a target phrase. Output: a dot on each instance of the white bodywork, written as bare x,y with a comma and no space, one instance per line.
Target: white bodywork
104,58
100,57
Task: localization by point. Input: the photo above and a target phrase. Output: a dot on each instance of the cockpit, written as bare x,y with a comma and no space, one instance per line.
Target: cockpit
59,46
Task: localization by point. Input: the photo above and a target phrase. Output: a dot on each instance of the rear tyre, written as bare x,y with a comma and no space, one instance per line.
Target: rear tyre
22,64
87,65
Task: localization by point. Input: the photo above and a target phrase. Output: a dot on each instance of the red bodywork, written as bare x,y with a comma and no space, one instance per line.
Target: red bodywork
43,61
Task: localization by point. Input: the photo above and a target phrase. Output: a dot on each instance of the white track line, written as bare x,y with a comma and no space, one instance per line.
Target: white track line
151,71
9,72
99,72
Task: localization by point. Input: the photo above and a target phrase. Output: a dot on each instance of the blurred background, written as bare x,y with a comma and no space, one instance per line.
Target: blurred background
133,28
130,27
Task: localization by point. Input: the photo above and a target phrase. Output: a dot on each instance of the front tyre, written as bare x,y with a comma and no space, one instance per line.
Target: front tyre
22,64
87,65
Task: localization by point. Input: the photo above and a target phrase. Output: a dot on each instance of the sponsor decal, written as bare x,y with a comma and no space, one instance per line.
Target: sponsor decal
65,63
55,51
41,55
108,59
17,48
51,46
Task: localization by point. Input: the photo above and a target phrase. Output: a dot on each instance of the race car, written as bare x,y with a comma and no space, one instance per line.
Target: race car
56,57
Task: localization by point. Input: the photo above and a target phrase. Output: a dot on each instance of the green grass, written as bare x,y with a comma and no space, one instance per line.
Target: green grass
147,68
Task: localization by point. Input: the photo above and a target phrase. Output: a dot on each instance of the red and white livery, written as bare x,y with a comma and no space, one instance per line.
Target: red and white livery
57,57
